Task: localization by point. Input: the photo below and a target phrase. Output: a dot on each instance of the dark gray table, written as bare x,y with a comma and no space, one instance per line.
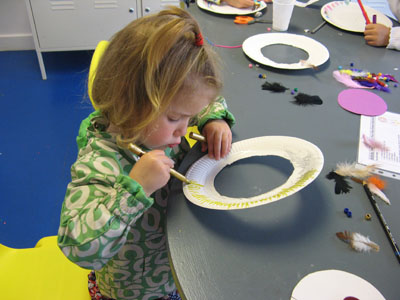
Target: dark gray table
262,252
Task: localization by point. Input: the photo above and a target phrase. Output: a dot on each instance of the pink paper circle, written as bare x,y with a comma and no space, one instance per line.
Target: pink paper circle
362,102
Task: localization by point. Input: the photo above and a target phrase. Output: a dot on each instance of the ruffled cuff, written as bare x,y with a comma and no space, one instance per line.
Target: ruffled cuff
394,38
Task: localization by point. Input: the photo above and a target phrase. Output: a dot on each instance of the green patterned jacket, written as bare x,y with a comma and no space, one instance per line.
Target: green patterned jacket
107,222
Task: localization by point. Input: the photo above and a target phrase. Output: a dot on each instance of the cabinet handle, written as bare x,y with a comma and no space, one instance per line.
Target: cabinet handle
131,10
147,9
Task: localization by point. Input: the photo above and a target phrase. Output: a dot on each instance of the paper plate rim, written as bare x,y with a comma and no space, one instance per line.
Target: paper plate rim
353,6
314,279
233,10
252,48
203,171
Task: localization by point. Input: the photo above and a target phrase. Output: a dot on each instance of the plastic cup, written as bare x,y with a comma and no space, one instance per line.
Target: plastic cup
281,14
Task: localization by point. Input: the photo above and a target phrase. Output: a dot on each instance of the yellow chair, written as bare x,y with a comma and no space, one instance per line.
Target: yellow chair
41,273
98,52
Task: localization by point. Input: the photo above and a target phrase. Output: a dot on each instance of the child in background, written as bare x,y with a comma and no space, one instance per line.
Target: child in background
380,35
238,3
155,77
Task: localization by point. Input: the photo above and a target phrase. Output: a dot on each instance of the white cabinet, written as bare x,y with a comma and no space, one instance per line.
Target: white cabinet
63,25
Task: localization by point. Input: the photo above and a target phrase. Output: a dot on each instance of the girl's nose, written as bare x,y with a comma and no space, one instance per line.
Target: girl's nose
181,129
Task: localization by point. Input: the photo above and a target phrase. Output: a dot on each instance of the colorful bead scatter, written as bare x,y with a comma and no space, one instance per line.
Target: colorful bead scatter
347,212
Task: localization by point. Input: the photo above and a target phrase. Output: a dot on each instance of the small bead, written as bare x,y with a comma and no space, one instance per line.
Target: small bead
349,214
250,66
395,85
346,210
268,28
368,217
351,64
340,67
292,92
260,76
295,89
257,65
264,76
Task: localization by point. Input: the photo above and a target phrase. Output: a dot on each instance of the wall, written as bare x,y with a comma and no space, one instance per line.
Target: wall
15,30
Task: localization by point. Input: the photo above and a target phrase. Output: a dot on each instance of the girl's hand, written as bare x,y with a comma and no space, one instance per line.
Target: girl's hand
219,139
377,34
151,171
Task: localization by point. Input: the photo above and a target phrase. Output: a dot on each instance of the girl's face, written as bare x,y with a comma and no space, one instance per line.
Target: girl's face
169,127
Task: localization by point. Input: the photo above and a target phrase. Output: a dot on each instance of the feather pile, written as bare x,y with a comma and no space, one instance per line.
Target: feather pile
275,87
304,99
347,80
373,144
375,186
353,170
355,78
344,171
360,174
341,184
357,241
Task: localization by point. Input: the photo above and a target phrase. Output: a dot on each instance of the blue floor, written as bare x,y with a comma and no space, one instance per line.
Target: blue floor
39,120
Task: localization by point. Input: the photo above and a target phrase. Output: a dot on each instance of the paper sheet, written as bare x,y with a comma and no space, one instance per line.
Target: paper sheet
385,129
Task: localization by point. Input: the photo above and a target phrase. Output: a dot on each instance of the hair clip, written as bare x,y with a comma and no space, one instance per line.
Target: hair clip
199,40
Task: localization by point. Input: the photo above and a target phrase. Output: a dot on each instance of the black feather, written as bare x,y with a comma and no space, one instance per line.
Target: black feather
341,185
274,87
304,99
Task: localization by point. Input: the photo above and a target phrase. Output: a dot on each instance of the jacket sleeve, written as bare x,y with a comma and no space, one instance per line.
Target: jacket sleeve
215,111
100,205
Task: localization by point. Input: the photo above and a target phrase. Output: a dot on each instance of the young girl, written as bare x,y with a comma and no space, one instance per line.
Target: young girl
155,77
380,35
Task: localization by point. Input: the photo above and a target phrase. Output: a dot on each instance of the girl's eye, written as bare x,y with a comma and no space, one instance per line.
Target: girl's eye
173,119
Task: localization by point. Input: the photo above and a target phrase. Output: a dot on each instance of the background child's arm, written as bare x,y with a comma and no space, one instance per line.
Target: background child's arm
377,34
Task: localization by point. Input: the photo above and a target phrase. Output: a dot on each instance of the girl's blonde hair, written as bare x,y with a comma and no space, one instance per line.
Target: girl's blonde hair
146,64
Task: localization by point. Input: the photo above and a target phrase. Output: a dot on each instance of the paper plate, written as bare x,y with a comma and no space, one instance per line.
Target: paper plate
317,53
226,9
306,158
348,16
333,285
